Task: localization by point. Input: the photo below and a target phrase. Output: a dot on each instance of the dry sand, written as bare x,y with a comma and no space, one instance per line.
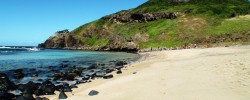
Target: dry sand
221,73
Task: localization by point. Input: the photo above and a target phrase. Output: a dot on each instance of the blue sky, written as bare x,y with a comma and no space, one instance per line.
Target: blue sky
29,22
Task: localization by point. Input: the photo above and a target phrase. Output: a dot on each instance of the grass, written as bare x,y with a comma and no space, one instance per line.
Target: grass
206,18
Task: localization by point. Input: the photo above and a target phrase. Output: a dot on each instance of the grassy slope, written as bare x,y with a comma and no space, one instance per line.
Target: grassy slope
207,19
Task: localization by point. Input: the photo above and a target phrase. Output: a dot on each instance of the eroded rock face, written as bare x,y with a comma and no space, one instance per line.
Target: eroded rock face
60,39
118,43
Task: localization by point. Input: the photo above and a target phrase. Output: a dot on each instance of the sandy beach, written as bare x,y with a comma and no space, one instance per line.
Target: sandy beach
221,73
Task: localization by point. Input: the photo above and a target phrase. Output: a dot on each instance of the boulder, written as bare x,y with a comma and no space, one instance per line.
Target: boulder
119,72
62,95
48,88
18,74
108,77
93,93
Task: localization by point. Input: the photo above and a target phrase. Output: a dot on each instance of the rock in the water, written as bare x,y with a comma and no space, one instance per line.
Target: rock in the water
108,77
5,86
62,95
93,93
18,74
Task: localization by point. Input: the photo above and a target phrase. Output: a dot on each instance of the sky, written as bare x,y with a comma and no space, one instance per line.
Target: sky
30,22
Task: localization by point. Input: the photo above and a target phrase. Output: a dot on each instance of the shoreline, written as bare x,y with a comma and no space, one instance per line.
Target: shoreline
157,62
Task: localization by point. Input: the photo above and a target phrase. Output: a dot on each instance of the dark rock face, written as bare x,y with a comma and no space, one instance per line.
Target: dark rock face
127,16
93,93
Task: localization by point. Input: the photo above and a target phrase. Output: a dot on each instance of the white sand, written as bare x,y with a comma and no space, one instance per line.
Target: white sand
193,74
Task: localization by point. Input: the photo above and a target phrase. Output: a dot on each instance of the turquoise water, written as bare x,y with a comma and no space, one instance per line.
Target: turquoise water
17,58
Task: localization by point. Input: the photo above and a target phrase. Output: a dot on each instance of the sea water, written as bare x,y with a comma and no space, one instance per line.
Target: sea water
12,58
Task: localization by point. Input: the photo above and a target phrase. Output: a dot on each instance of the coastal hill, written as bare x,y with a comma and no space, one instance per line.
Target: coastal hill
161,23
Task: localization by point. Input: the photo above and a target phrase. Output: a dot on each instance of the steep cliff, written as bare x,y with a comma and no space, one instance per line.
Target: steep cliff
160,23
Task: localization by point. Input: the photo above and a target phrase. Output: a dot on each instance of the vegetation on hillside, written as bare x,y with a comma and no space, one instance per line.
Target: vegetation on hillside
198,22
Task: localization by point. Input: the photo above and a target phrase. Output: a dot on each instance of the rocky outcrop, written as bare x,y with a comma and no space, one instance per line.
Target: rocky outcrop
60,39
118,43
127,16
69,40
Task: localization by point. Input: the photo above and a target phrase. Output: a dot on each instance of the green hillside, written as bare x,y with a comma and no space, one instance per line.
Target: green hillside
202,22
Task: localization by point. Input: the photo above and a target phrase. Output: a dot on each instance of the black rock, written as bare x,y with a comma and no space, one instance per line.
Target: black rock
62,95
67,88
110,70
93,93
18,74
59,88
21,98
120,63
93,66
6,96
108,77
119,72
5,85
38,92
30,87
39,98
27,96
48,88
73,86
85,78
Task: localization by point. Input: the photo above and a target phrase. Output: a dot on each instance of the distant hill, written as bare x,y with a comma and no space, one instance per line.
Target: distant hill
161,23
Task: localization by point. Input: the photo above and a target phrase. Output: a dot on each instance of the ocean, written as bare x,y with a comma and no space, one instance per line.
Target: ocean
33,60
